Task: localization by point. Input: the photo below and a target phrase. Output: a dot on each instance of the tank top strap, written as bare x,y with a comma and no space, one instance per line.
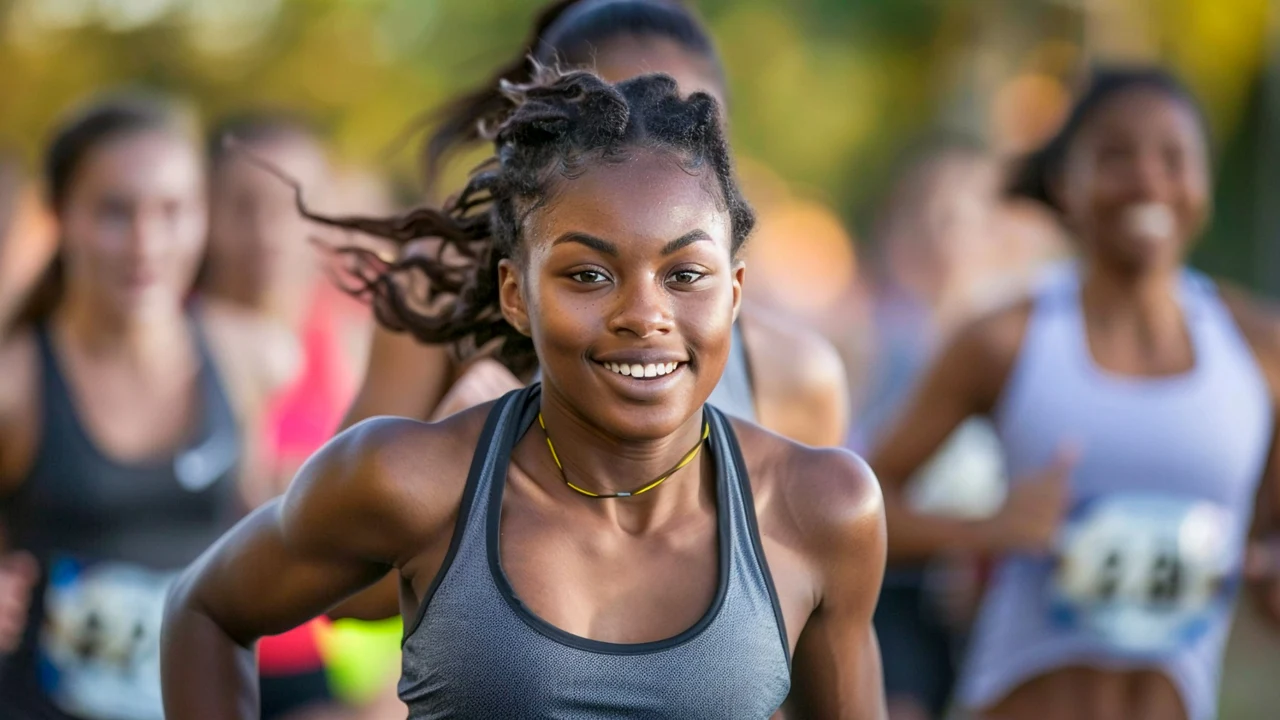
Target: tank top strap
492,455
55,403
740,536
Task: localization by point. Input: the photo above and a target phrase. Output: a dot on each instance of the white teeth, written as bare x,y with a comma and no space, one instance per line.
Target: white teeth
1150,220
644,371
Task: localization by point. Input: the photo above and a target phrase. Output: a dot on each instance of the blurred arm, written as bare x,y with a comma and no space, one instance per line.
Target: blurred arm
965,379
404,378
800,385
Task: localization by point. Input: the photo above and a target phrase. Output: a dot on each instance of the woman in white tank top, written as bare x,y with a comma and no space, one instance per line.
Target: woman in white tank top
1134,401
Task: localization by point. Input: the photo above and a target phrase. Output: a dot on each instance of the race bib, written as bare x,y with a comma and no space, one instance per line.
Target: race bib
1145,572
100,643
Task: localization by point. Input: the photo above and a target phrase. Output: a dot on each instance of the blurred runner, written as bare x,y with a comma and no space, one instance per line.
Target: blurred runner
118,444
1135,403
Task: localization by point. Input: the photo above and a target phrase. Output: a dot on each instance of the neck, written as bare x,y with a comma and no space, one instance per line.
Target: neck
1149,300
138,338
285,307
604,463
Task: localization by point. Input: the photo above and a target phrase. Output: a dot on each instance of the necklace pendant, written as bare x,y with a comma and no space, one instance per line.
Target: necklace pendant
623,494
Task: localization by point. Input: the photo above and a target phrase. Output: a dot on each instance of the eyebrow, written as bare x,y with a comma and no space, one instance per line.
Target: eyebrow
608,248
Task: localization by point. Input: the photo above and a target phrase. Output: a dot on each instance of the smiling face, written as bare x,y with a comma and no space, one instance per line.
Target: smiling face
1135,186
628,286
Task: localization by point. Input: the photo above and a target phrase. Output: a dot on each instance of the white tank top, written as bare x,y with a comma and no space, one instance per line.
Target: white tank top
1202,435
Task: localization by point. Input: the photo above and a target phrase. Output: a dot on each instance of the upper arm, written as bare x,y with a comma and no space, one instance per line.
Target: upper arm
836,670
965,379
19,411
799,380
343,524
1260,327
404,378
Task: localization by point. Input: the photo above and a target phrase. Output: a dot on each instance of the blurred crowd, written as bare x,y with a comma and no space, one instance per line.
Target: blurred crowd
143,214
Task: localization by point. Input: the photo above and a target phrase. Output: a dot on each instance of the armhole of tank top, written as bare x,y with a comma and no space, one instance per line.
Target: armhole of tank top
464,513
753,531
1022,359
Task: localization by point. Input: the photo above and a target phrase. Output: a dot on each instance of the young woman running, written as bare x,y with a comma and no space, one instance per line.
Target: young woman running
1135,402
572,550
118,445
787,378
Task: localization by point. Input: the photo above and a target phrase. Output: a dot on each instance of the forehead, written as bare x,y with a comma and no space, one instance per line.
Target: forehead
1146,112
648,196
144,163
627,57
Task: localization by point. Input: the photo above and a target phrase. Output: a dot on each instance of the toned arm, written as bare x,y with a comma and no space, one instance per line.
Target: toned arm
836,670
347,519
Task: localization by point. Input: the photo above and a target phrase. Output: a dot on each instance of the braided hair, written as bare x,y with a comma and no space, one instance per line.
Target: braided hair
554,128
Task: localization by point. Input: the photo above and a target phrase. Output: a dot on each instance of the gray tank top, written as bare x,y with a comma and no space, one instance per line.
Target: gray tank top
475,651
1202,435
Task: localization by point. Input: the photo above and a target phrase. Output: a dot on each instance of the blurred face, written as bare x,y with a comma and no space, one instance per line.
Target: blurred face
1135,187
134,222
629,291
625,58
256,235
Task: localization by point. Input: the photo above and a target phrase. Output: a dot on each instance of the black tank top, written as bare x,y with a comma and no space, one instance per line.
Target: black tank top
476,651
109,536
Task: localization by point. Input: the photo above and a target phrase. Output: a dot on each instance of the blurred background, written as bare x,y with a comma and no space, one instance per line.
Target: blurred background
828,99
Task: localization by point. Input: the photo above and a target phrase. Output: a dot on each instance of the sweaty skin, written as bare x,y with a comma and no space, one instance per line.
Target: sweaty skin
1140,146
385,494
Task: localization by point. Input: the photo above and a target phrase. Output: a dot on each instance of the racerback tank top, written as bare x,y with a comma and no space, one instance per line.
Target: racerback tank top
1203,434
475,651
108,537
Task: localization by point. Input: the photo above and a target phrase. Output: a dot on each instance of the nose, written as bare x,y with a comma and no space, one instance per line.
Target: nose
147,238
1151,177
643,309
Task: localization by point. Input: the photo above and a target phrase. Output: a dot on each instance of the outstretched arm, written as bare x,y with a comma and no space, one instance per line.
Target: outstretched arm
341,526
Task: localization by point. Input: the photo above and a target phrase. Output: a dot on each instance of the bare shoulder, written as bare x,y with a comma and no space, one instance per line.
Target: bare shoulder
799,379
979,357
19,367
399,479
1259,322
824,500
996,335
796,355
19,405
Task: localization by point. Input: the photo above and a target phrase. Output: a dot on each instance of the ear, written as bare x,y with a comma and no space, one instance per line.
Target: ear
739,275
511,296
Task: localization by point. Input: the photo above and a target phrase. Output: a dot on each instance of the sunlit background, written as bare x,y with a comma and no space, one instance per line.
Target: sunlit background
826,98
